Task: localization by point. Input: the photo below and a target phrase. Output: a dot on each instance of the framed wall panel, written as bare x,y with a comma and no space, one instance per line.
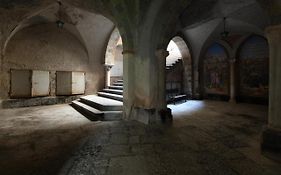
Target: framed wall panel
20,83
78,83
64,83
40,83
70,83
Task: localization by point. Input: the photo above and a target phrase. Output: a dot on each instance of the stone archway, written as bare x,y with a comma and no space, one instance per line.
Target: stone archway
187,64
179,68
77,32
253,70
114,58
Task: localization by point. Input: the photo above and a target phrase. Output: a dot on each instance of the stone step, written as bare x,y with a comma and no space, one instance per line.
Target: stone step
101,103
88,111
171,64
119,81
116,87
113,91
118,84
112,115
95,114
111,96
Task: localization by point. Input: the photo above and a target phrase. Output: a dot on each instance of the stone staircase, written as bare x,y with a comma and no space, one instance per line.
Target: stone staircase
107,105
171,65
174,95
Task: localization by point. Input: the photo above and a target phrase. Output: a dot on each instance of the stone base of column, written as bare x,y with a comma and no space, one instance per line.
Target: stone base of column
166,115
271,140
232,101
152,116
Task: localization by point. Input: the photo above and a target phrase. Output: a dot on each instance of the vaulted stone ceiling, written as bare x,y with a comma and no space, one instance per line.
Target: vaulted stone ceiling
131,17
136,18
202,21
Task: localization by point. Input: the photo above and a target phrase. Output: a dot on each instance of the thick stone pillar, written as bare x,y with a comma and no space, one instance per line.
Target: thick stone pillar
196,88
161,55
232,67
271,139
128,83
187,80
144,87
107,75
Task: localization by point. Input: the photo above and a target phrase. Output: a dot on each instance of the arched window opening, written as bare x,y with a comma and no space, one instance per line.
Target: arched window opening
114,58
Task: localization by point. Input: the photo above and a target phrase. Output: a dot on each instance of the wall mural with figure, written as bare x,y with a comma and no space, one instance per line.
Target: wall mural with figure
216,71
254,67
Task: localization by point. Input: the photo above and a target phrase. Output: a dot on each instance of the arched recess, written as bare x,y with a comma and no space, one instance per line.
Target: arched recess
86,54
114,57
48,14
178,68
187,64
253,70
215,73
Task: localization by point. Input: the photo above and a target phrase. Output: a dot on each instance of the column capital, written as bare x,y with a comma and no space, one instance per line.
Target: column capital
162,53
108,66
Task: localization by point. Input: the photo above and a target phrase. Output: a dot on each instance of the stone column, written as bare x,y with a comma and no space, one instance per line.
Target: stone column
107,75
144,86
164,113
161,55
128,83
232,67
271,139
196,90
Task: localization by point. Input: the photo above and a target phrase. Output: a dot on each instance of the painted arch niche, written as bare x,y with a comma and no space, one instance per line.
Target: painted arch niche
216,71
254,68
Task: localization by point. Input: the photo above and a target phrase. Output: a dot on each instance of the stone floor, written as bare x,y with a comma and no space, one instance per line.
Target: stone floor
206,137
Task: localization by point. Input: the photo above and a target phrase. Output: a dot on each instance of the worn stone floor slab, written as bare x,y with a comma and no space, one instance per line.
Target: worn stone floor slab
205,138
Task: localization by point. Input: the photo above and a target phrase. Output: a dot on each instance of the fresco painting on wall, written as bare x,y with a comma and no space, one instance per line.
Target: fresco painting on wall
216,71
254,67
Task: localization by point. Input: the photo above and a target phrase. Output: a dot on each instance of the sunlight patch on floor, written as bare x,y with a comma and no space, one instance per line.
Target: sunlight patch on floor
187,107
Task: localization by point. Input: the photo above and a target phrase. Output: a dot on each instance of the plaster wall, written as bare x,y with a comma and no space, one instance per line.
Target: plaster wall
46,47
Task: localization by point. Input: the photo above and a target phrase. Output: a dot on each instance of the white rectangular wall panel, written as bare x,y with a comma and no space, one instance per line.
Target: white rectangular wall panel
40,83
64,83
78,83
20,83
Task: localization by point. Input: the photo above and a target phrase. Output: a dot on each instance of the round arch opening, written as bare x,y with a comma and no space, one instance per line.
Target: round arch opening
114,58
178,69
